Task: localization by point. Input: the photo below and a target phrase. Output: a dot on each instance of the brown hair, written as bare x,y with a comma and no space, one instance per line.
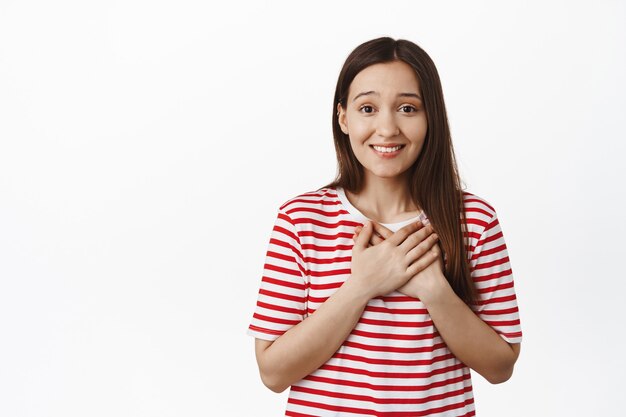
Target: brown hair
434,181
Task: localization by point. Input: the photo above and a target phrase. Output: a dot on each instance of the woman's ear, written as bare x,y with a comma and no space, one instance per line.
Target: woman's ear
341,117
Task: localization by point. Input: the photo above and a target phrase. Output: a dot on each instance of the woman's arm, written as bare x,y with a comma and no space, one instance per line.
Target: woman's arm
308,345
468,337
374,271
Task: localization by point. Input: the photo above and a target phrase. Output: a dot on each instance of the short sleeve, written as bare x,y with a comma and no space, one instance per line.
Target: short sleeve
492,274
281,302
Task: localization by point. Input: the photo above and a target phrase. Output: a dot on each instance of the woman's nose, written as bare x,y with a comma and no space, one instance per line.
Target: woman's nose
386,124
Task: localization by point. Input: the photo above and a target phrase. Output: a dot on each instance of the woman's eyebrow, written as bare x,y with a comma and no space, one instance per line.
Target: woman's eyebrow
366,93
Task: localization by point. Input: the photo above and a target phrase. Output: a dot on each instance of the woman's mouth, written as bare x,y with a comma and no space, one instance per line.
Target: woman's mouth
387,151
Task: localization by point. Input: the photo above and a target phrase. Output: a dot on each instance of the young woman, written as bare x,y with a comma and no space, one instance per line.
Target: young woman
383,288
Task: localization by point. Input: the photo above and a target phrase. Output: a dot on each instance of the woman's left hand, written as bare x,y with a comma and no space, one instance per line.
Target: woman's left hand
424,281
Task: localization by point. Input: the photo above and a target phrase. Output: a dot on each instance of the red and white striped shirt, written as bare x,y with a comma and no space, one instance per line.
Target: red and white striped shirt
393,363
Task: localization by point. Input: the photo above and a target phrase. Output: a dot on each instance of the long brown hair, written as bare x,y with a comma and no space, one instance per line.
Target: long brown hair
434,181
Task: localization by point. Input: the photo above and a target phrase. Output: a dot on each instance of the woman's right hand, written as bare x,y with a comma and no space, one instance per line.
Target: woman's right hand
382,268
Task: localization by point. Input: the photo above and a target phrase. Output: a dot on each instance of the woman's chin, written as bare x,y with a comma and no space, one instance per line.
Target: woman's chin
387,174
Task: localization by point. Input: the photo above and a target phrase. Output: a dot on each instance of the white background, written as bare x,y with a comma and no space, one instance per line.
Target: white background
146,146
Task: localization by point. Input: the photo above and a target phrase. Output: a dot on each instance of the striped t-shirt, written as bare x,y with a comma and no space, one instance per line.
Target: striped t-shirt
393,363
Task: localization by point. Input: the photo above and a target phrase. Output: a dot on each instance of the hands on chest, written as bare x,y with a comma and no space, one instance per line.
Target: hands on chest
409,260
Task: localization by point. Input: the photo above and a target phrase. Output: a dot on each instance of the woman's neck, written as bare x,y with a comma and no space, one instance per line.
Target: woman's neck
384,200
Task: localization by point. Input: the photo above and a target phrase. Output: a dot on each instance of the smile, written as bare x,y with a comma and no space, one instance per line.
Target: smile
387,151
387,148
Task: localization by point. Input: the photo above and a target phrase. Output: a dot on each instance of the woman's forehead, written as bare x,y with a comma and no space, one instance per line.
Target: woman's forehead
395,78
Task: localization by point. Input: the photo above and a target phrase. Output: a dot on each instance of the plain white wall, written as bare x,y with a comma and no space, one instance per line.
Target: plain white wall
146,145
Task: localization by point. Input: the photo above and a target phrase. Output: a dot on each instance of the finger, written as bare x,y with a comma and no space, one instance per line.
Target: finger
436,250
364,236
372,241
415,238
375,240
422,248
376,236
423,262
382,231
398,237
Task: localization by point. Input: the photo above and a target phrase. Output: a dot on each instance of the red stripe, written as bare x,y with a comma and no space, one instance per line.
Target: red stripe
472,235
500,312
397,375
284,231
387,388
376,335
325,236
396,323
496,300
511,335
318,300
300,272
397,299
393,349
476,222
393,362
494,222
499,287
489,238
294,414
327,225
375,309
282,296
280,282
474,199
375,400
327,286
280,308
388,310
264,330
320,261
497,323
487,252
495,275
277,242
477,210
493,263
317,211
276,255
331,273
275,320
307,201
317,248
377,413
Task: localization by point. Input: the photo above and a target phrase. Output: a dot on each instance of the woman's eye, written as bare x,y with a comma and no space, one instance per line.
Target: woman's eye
410,109
367,107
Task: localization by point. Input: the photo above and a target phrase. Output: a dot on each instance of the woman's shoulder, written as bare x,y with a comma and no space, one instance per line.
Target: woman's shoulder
478,209
321,198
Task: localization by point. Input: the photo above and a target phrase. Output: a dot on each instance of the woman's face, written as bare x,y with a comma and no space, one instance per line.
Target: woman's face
385,119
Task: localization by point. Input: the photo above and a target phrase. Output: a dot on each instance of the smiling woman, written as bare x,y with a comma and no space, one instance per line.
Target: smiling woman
382,289
386,125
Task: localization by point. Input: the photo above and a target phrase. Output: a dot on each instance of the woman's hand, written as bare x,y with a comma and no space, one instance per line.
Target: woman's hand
382,264
425,278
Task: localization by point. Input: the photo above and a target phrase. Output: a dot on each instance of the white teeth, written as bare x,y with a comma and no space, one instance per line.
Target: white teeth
386,149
